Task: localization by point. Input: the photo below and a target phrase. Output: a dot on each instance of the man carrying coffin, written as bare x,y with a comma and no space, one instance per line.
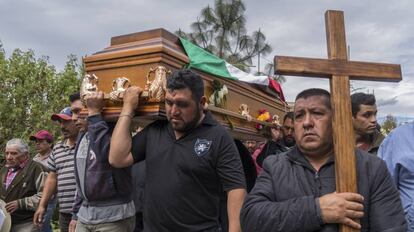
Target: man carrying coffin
190,160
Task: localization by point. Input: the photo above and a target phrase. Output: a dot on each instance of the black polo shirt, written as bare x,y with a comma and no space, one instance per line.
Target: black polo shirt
185,177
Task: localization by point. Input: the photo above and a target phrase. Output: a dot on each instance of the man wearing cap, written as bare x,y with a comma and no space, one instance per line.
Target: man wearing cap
61,166
44,143
104,193
190,158
22,184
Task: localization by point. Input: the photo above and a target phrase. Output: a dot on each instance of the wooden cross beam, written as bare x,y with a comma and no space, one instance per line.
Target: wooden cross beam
339,70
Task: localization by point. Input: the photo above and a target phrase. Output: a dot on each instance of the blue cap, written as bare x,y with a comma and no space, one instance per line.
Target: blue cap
65,114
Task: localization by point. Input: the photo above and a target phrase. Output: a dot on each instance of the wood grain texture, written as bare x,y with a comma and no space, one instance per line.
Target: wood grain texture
343,132
343,135
356,70
133,55
340,71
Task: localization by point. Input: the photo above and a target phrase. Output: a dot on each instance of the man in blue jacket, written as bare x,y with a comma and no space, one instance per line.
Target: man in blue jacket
397,151
104,193
296,190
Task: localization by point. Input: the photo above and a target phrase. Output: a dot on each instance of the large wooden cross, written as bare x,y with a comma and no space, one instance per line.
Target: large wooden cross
339,71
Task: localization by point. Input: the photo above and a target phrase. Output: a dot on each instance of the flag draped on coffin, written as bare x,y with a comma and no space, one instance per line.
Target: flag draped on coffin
202,60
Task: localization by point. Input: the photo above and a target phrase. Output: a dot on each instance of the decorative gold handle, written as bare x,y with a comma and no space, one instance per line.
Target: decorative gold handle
89,85
154,90
119,85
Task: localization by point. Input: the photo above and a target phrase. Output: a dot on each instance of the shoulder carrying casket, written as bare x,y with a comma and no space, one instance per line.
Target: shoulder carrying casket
145,59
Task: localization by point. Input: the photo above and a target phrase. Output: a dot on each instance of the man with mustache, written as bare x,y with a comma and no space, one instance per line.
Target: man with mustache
251,145
103,200
364,119
43,140
190,160
22,184
61,178
296,190
288,136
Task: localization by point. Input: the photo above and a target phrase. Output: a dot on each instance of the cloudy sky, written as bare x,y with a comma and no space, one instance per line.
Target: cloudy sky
376,30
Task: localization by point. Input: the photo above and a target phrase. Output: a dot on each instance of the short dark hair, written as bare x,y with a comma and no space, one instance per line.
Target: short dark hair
358,99
288,115
75,96
315,92
186,78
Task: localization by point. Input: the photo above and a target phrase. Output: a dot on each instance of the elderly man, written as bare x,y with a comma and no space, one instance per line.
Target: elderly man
190,160
296,191
22,185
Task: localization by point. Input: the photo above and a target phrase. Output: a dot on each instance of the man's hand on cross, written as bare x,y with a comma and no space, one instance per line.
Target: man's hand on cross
343,208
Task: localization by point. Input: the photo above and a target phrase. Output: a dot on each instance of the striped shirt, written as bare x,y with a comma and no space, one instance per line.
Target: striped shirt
61,161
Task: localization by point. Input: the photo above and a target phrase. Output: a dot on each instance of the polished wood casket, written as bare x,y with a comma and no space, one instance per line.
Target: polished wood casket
145,59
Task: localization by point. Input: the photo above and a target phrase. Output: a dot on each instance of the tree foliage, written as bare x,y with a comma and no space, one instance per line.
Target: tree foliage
389,124
270,71
32,90
221,30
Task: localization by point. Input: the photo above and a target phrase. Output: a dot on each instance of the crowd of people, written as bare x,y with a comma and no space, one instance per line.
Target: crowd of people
186,173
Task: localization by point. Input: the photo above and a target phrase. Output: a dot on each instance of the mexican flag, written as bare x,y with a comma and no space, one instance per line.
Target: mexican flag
202,60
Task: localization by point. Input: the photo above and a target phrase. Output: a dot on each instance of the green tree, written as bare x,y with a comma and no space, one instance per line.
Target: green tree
389,124
270,71
221,30
32,90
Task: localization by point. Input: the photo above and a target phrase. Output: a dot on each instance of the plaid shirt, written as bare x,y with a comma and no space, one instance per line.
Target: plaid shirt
13,172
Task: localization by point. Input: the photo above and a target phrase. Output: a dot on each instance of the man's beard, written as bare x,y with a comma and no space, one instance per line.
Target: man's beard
192,124
289,141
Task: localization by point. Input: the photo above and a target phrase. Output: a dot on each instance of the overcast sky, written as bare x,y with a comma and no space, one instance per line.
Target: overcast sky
376,30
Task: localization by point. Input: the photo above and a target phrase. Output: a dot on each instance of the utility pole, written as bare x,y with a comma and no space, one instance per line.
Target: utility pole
258,63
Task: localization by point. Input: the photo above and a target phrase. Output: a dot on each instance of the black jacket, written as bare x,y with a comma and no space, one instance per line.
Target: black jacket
285,197
270,148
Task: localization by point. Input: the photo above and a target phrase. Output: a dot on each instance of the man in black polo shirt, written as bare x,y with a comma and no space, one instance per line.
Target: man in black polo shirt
190,160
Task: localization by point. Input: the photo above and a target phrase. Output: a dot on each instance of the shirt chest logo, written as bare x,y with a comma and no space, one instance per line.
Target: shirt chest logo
202,146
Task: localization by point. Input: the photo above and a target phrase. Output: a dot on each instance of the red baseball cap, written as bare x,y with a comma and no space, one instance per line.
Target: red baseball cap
65,114
43,134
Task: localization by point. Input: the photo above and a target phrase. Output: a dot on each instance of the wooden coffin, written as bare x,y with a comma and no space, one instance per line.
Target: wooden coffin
144,56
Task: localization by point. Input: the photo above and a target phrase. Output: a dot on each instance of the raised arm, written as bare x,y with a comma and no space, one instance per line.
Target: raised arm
120,151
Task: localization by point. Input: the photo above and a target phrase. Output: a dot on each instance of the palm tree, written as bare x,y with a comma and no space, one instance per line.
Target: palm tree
221,30
269,69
